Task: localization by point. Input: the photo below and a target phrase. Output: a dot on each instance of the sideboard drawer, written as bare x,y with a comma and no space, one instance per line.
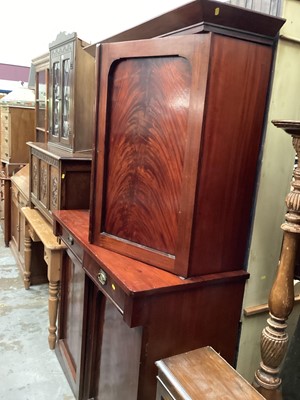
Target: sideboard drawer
105,282
72,244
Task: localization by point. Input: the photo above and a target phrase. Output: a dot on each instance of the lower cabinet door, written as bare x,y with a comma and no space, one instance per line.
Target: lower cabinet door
113,350
69,345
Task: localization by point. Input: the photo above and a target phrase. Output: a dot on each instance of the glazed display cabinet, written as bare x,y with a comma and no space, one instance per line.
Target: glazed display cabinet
72,85
41,67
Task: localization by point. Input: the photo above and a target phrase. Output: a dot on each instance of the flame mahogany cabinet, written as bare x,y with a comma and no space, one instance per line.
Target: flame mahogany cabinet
179,129
118,316
155,268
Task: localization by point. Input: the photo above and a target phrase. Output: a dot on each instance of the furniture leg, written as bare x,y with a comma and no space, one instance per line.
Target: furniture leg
27,257
53,259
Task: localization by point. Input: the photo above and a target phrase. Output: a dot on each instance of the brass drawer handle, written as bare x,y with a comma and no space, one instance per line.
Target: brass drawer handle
102,278
70,240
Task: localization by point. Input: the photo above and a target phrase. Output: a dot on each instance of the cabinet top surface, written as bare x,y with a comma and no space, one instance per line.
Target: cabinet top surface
203,373
202,12
21,180
59,153
135,277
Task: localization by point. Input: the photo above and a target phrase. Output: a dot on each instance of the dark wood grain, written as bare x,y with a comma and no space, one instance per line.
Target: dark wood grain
178,146
149,102
161,315
136,278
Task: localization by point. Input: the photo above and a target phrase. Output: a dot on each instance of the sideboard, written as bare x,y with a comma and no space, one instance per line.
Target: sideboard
118,315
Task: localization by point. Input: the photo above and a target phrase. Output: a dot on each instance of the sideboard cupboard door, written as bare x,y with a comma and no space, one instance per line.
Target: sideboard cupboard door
69,345
112,350
177,144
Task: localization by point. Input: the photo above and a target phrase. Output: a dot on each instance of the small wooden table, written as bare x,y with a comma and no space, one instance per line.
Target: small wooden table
39,229
201,374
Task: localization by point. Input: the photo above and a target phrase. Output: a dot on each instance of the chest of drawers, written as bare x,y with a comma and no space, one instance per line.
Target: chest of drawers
17,128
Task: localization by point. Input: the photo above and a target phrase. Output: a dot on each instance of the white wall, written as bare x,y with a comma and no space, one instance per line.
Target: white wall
29,26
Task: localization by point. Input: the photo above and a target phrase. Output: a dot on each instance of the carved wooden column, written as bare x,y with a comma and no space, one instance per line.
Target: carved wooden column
274,339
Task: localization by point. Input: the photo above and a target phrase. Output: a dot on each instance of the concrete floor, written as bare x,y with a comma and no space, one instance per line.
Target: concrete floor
29,370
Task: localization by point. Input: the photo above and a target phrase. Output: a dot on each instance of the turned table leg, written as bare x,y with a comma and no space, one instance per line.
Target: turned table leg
53,259
27,257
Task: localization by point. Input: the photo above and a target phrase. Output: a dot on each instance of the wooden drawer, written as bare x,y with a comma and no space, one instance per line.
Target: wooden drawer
23,201
105,282
5,153
162,391
4,126
72,244
4,116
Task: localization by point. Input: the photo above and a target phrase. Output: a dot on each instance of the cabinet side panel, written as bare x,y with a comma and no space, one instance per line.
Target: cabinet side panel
22,131
180,322
236,102
84,99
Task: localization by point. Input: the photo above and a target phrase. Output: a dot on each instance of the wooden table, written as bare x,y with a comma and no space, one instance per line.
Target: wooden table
39,229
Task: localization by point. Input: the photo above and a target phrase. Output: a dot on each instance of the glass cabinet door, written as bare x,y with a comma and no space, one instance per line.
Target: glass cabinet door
60,131
66,98
41,105
56,99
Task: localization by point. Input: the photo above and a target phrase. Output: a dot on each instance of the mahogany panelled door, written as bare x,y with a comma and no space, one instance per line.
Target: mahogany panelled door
177,147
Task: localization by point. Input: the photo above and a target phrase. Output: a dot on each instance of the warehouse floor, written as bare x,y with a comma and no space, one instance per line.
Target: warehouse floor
29,370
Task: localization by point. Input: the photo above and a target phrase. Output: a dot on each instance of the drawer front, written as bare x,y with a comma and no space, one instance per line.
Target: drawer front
163,393
5,153
4,118
23,201
105,282
72,244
